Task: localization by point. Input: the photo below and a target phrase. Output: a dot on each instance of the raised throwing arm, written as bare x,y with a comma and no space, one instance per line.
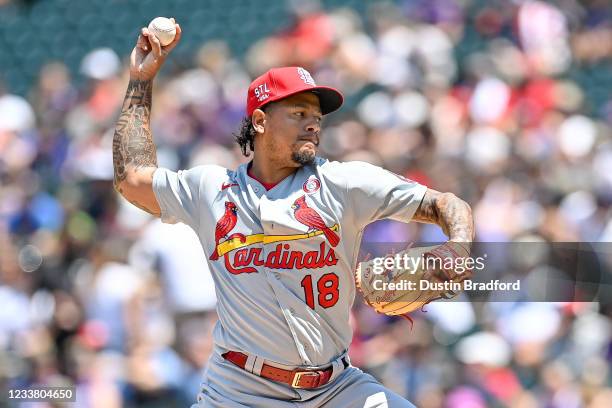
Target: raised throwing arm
134,152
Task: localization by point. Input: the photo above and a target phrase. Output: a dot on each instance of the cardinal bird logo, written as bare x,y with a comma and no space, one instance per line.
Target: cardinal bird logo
310,218
224,226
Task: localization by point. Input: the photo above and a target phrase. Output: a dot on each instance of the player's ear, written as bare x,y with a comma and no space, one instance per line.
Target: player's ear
259,120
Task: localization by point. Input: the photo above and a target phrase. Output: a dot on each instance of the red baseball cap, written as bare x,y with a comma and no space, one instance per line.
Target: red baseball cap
279,83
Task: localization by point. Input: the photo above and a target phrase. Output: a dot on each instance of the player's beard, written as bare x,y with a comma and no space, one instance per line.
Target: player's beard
303,158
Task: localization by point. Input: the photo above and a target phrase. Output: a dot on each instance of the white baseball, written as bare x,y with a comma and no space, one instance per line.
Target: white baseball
164,29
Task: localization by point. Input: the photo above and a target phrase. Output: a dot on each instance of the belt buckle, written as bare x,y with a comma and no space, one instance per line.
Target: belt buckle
298,376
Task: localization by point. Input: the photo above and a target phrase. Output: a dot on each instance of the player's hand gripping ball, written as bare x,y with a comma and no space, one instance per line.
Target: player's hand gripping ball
431,264
164,29
153,46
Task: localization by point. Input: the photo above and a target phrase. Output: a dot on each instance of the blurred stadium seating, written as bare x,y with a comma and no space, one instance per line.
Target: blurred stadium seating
33,32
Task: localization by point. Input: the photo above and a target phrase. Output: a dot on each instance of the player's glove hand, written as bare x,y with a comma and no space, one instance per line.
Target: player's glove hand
393,301
148,55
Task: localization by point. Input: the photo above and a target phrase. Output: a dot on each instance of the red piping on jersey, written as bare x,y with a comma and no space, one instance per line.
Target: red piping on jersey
267,186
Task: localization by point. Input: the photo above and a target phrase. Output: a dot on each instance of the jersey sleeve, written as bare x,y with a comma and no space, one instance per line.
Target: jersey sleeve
178,194
375,194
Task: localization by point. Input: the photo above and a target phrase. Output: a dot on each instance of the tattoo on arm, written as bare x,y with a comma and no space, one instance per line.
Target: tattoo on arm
451,213
427,211
133,142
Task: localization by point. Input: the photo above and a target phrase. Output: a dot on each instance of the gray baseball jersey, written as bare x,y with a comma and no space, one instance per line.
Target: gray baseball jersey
283,259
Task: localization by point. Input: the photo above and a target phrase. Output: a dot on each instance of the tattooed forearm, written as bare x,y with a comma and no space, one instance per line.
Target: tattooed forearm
451,213
133,146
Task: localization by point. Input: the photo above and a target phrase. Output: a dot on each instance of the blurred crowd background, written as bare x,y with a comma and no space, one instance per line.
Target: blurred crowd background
508,104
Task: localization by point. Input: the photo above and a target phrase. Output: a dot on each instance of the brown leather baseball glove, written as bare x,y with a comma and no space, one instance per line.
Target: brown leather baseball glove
414,277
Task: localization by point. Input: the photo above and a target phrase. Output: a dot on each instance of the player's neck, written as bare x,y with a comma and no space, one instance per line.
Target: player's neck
269,172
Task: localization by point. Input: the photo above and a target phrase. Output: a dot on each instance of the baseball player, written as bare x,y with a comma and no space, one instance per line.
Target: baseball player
281,235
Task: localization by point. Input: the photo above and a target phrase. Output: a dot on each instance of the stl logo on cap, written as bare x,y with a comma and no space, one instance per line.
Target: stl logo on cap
306,77
262,92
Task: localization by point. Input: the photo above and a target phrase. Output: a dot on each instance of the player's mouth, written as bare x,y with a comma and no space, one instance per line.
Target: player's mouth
313,140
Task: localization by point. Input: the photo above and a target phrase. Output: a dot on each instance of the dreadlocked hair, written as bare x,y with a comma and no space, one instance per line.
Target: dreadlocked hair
246,137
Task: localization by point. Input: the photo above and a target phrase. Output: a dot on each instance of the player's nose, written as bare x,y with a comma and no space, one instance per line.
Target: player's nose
313,126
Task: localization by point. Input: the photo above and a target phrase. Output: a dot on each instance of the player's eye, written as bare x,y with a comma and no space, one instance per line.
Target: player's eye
299,113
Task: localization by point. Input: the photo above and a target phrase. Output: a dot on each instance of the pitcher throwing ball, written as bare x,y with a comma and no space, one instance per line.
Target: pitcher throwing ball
281,234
